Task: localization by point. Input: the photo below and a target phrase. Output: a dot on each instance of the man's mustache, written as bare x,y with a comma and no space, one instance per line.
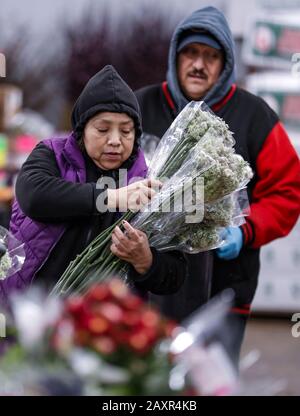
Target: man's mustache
198,73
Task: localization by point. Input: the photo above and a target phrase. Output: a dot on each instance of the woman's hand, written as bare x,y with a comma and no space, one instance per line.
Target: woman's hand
133,247
133,196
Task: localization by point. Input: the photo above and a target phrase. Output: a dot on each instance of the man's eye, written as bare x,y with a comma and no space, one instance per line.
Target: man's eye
102,130
212,56
126,131
190,52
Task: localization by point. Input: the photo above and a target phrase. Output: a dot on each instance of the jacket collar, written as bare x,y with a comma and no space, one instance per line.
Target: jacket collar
74,156
216,107
72,152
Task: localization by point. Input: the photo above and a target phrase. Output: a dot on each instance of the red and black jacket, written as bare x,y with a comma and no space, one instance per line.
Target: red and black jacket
274,192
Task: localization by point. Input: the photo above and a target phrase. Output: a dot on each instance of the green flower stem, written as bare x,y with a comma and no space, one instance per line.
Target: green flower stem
174,161
86,260
100,274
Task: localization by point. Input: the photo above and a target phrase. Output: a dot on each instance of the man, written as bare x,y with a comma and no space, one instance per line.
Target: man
201,66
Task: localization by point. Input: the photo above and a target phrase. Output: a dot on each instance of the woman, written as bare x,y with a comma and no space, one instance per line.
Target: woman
55,212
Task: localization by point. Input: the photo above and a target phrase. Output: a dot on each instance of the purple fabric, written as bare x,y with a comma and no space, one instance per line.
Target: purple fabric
41,238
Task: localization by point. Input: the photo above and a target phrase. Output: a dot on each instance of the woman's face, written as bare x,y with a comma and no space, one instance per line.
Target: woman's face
109,139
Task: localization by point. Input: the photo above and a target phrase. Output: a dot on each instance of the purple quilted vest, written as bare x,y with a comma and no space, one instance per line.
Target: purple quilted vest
41,238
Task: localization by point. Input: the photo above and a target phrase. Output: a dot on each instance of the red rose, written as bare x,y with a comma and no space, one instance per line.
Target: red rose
112,312
97,293
97,325
118,289
139,342
132,302
104,345
150,318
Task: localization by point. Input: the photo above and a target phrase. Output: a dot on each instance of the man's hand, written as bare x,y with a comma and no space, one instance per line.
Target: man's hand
233,244
133,247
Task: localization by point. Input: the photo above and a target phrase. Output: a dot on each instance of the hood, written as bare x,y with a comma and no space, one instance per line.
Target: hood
213,21
105,91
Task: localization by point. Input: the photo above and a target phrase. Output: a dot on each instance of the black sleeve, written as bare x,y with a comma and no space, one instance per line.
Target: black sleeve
165,276
44,196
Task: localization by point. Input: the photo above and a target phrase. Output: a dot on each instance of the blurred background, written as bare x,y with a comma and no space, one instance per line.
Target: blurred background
50,49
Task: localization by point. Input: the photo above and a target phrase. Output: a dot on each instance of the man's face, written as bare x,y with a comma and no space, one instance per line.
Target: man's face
198,68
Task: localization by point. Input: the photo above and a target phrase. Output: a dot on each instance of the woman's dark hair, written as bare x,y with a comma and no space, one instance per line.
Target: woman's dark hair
107,91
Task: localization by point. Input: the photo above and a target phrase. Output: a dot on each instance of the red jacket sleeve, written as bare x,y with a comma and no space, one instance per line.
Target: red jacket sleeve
275,205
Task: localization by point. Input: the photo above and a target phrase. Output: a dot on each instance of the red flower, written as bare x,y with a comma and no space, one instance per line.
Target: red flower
112,312
104,345
118,289
98,325
139,342
97,293
75,305
109,316
150,318
132,302
82,337
131,318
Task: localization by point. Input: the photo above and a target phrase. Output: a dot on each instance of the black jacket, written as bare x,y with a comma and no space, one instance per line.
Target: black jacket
168,269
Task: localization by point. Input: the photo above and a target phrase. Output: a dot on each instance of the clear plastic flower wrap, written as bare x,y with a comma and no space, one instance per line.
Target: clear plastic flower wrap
171,232
194,121
205,191
199,350
180,194
201,172
12,254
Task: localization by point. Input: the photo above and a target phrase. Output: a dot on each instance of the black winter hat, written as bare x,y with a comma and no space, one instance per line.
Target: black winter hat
105,91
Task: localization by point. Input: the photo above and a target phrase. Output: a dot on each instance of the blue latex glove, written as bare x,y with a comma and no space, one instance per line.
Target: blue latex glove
233,244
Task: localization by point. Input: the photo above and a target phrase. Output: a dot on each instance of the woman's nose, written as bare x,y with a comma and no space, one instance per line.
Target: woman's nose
114,138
